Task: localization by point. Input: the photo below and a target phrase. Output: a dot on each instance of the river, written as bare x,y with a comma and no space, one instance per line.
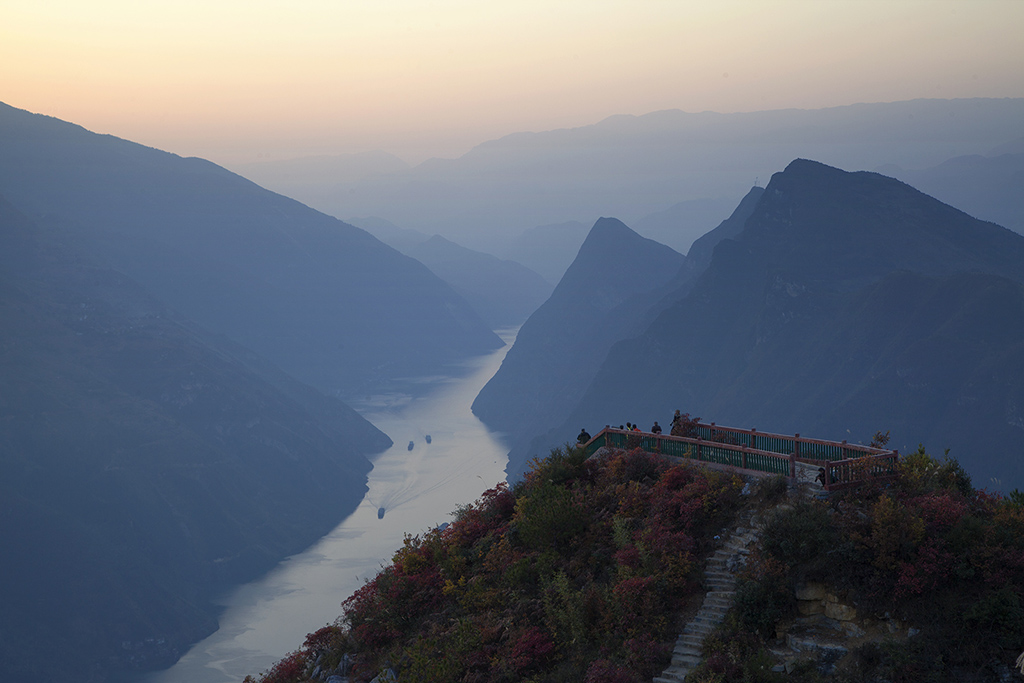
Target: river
418,490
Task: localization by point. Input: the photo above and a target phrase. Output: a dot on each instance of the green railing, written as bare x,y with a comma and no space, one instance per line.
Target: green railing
844,464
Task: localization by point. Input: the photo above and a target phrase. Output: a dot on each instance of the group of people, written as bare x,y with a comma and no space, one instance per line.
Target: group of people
584,435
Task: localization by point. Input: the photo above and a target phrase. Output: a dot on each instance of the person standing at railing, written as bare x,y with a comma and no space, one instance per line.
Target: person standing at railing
583,437
656,429
633,440
677,426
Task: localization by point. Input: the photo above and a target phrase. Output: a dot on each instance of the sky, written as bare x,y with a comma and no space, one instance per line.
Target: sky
248,80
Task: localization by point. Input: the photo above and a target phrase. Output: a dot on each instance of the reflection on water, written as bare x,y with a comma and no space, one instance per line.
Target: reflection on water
417,490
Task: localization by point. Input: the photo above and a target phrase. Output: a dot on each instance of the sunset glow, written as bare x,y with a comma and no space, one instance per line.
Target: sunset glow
237,81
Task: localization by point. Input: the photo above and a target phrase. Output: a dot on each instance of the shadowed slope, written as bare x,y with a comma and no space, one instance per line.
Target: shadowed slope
850,302
326,301
563,343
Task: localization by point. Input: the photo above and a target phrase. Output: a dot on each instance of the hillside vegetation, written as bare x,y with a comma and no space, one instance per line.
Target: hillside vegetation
584,571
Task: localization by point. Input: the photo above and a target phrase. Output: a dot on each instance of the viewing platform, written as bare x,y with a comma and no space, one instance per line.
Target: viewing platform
839,463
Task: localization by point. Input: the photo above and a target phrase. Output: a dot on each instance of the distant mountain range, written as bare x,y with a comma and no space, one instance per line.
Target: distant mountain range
636,166
849,303
502,292
987,187
547,249
145,466
325,301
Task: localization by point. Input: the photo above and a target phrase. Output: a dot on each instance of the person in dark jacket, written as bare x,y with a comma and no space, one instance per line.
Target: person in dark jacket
656,429
583,438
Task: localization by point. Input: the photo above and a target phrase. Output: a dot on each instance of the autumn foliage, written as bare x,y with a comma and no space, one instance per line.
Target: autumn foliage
576,573
925,550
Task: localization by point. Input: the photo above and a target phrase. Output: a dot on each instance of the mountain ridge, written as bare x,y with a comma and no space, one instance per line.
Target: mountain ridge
295,285
137,457
772,301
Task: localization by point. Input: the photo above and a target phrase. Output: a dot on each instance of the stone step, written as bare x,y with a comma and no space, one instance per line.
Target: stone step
708,621
671,677
678,672
686,660
718,600
716,611
686,652
720,584
720,578
673,674
713,601
715,597
726,578
695,641
715,606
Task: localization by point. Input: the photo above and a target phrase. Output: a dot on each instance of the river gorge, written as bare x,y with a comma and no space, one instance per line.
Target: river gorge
442,458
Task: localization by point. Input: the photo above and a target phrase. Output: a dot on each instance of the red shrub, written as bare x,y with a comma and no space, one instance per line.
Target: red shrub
531,648
940,511
604,671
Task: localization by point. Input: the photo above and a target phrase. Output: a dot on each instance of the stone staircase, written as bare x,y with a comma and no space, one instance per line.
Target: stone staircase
720,580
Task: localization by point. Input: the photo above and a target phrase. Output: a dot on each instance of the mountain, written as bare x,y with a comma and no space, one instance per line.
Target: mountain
698,258
314,180
634,166
390,234
560,347
850,303
547,249
502,292
325,301
624,321
682,223
986,187
145,466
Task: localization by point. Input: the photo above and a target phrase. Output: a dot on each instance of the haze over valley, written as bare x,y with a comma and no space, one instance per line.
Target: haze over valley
270,272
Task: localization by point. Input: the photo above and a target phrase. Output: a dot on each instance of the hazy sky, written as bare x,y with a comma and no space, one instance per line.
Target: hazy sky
241,80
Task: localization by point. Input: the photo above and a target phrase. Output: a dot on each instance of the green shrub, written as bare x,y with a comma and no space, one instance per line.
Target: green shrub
799,535
764,596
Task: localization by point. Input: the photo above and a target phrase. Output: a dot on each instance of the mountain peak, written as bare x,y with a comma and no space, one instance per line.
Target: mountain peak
610,238
610,226
811,212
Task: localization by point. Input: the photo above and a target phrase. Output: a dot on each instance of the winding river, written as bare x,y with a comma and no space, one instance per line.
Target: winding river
417,489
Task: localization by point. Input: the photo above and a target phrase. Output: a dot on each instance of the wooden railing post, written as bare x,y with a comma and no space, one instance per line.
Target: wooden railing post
794,455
